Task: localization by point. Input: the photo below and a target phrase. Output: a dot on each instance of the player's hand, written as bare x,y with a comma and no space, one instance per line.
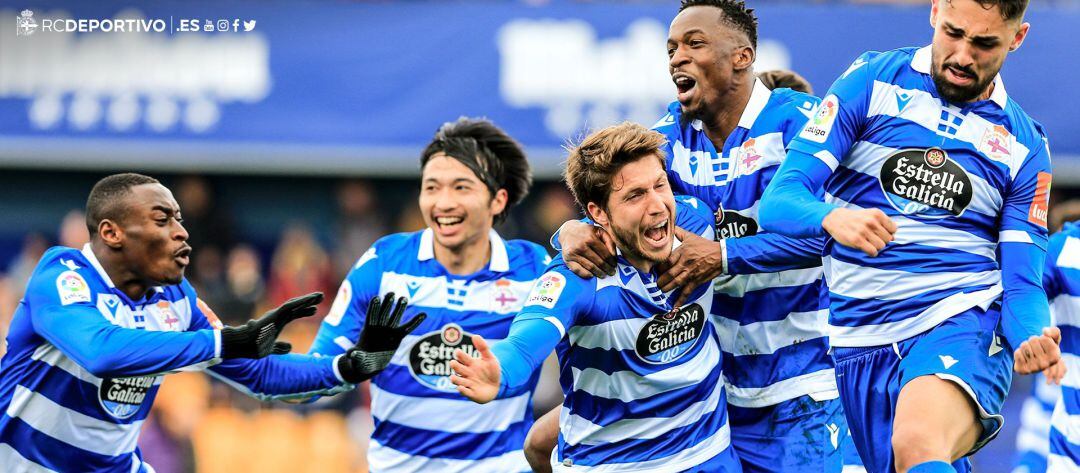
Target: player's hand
379,338
697,261
587,249
868,230
1041,353
476,378
257,338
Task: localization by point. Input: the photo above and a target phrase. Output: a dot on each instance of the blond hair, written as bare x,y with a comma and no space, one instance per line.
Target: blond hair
593,163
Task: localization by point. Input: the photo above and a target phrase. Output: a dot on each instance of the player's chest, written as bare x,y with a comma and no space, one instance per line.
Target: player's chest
160,315
499,296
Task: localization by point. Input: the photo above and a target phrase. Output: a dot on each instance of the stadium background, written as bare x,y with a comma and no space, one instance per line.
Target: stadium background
293,146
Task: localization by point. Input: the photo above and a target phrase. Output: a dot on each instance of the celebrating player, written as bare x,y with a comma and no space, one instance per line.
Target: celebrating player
642,377
471,282
99,327
936,190
727,134
1062,284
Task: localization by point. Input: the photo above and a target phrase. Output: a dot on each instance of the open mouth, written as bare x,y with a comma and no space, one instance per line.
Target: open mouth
684,84
448,222
657,234
960,76
183,256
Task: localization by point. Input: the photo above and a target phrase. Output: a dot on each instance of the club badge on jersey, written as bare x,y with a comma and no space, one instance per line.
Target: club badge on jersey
429,357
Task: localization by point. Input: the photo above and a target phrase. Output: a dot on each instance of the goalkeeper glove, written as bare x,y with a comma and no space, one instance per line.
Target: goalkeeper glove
379,339
257,338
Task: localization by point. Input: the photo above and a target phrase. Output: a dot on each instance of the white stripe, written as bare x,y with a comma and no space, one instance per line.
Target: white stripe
628,386
620,334
346,344
558,325
866,282
579,430
480,296
684,460
820,383
1066,310
1072,371
448,415
738,286
13,462
1061,464
383,458
73,428
52,356
1067,425
1070,254
827,157
1017,236
881,334
1028,441
853,469
766,337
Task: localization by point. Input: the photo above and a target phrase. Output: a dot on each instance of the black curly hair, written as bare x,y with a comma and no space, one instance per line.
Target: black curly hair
735,14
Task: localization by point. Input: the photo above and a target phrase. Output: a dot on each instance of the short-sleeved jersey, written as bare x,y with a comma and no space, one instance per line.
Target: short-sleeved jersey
1061,279
643,383
421,422
84,363
772,325
957,179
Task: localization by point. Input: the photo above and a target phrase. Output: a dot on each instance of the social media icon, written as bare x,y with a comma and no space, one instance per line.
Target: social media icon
249,25
223,25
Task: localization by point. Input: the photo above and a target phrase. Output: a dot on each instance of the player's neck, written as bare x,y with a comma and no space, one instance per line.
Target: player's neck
719,125
467,258
987,93
122,278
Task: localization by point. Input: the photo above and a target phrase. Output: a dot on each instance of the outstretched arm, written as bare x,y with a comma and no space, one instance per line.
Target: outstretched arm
503,370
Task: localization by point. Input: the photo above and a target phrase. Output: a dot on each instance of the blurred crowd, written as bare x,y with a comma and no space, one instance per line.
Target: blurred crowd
197,418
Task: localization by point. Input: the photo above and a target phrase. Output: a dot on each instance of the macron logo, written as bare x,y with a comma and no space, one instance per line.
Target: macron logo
948,361
902,99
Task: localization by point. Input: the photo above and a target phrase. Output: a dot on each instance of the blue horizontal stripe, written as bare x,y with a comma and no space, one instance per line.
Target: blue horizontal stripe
638,450
1070,339
1070,398
611,361
758,371
850,312
1059,445
78,395
454,445
397,379
54,454
916,258
603,411
771,304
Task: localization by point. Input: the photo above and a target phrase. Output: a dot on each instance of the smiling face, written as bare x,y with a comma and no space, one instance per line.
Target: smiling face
153,239
969,48
704,54
640,212
456,205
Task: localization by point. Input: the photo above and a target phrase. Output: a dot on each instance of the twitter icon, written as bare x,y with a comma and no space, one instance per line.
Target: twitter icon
249,25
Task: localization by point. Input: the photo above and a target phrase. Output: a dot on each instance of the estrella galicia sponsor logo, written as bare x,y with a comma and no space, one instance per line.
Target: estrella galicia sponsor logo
122,397
926,183
669,336
733,225
429,358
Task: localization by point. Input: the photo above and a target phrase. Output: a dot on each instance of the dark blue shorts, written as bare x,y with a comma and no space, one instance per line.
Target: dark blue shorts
967,349
799,435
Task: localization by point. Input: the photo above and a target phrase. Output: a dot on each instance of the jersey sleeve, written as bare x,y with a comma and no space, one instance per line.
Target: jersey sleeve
839,117
770,252
276,377
63,312
340,330
1051,274
1027,201
550,310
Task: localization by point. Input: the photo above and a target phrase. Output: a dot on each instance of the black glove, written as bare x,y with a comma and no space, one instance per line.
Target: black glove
257,338
378,340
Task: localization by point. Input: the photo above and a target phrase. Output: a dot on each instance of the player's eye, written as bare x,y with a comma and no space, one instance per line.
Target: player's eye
696,42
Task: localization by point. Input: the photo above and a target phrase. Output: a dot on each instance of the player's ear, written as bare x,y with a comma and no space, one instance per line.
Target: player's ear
597,214
498,201
1021,34
111,233
933,13
743,58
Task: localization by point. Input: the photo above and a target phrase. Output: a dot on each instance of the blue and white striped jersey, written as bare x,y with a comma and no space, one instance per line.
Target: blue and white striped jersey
1061,279
421,422
957,179
771,305
85,361
642,383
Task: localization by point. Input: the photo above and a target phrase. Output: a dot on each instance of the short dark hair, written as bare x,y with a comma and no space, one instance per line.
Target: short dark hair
489,152
592,164
735,14
1009,9
106,195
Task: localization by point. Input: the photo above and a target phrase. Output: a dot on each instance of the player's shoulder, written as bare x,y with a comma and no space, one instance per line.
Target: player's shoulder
884,65
787,108
669,123
391,249
1026,129
527,257
692,213
61,259
558,271
67,273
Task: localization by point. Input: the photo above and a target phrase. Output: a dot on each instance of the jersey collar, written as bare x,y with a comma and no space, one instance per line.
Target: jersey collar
922,61
499,263
759,97
92,259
